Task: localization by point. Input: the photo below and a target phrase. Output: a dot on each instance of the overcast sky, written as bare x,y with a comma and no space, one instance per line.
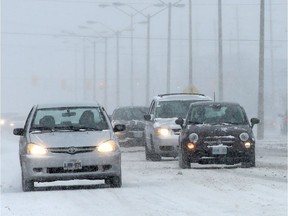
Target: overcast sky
49,46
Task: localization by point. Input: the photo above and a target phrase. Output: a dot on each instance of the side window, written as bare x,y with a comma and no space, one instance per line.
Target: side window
28,118
152,107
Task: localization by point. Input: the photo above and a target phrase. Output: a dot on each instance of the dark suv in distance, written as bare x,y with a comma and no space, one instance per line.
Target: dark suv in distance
161,132
133,118
216,133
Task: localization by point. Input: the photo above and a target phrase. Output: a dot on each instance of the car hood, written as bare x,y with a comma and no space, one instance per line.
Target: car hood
219,130
130,123
67,139
166,123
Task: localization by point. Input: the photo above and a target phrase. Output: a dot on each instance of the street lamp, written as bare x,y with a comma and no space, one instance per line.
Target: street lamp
132,15
169,6
117,34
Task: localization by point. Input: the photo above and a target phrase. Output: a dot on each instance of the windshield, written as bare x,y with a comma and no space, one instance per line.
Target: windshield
74,118
128,114
172,109
217,114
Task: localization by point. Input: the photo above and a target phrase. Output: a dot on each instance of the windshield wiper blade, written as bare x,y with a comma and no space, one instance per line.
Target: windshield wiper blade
41,129
89,129
231,123
195,122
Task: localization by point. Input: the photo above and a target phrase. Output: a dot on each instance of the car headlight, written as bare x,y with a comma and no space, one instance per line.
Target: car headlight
244,136
107,146
34,149
247,145
193,137
162,131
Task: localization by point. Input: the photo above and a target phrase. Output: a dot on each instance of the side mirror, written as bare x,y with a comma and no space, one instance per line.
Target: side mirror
179,121
18,131
147,117
254,121
119,127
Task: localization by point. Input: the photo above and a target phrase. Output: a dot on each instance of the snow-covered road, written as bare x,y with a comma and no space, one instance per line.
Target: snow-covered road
155,188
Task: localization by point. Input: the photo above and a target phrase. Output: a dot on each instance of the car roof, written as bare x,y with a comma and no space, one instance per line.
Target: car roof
68,104
181,96
214,103
129,107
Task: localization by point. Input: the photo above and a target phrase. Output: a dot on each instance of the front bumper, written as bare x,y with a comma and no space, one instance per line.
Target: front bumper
133,138
166,146
51,166
233,155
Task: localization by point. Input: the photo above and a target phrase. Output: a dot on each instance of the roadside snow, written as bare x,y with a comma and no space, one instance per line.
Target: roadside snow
155,188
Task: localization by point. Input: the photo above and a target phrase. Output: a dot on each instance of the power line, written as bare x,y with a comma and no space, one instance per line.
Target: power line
135,37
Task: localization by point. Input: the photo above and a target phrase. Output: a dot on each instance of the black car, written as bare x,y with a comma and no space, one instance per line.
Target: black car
133,118
216,133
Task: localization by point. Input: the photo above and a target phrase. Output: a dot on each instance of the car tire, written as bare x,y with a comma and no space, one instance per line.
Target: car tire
27,185
153,155
249,163
147,153
184,162
114,181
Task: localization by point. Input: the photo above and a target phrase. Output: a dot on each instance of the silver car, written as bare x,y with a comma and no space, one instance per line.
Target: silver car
67,142
161,131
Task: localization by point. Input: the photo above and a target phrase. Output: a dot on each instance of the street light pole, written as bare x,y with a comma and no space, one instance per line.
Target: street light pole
84,69
169,49
117,69
260,127
105,71
168,75
220,51
132,61
148,61
94,70
190,84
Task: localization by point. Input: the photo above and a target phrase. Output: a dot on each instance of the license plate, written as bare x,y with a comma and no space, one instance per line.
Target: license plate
138,134
219,150
72,165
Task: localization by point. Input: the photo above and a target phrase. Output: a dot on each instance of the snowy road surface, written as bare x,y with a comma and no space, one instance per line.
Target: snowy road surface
155,188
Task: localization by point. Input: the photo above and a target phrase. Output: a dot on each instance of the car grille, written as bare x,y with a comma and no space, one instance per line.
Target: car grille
52,170
176,131
226,140
72,149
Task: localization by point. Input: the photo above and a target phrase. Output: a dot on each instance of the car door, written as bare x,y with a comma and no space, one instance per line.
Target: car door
149,125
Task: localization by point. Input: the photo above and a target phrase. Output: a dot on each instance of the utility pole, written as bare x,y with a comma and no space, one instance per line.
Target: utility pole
148,61
220,51
105,71
190,84
84,69
169,49
260,127
94,70
117,69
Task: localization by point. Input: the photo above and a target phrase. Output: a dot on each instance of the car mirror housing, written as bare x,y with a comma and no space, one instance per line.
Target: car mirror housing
180,122
254,121
147,117
18,131
119,127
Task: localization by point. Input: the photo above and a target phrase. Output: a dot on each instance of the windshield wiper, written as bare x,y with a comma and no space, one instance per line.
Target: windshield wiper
231,123
89,129
195,122
41,129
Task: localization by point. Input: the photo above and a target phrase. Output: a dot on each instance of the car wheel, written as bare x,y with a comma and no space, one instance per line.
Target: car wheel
114,181
249,163
27,185
153,155
184,162
147,153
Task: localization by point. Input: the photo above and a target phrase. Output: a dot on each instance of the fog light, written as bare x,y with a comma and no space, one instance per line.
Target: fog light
190,146
247,145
